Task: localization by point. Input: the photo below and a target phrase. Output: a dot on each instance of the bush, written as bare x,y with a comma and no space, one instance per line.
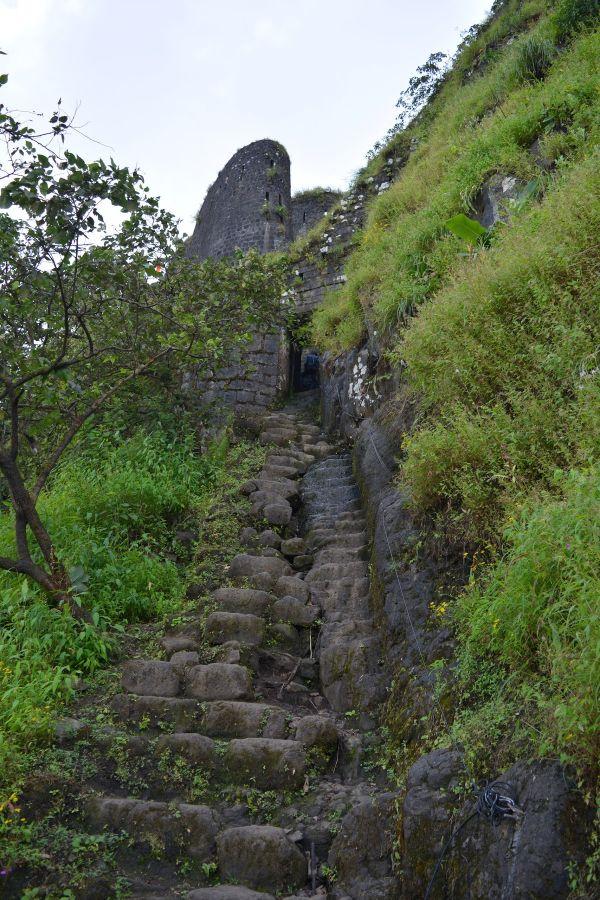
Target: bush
571,15
534,58
109,508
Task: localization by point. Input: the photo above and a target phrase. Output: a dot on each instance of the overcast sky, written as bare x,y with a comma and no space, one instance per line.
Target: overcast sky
177,86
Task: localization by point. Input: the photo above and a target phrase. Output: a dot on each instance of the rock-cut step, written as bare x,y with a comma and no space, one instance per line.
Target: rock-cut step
256,856
264,763
214,681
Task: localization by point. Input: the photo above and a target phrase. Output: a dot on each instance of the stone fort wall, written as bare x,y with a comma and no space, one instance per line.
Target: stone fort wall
249,205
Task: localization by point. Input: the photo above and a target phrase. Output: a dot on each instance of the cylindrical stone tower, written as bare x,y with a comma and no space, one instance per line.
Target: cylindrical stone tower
249,205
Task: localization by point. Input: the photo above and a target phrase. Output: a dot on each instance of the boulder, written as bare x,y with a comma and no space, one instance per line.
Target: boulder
261,856
292,546
269,538
361,852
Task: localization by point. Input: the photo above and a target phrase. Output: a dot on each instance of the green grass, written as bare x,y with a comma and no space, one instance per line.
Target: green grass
471,131
110,509
529,629
504,365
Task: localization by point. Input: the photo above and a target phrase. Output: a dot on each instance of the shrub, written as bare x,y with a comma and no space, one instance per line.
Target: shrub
534,58
109,507
504,365
572,15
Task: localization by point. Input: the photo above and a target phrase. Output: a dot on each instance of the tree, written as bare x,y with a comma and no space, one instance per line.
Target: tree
422,86
85,313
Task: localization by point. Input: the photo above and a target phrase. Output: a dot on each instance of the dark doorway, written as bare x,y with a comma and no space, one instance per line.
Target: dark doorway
304,368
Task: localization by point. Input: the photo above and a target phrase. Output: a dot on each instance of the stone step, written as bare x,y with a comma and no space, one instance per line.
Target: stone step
334,571
243,600
228,892
215,681
281,486
245,565
238,719
287,460
263,762
261,856
275,470
150,677
219,681
279,437
294,611
158,712
246,628
168,828
267,763
292,586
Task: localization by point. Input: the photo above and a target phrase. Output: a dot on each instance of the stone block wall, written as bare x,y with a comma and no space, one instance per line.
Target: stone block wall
252,383
248,206
308,207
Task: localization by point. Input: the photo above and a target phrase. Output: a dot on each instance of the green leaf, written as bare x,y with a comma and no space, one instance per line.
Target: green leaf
468,229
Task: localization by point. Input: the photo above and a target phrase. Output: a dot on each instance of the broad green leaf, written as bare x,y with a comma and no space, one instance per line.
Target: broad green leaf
469,230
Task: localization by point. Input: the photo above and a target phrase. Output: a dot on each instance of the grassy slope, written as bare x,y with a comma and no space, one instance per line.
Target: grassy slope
500,350
111,509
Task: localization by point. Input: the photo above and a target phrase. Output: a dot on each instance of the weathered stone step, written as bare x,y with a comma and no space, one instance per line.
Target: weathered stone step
219,681
243,600
245,565
281,486
215,681
349,541
159,826
296,612
158,712
280,437
287,460
278,470
336,571
238,719
246,628
266,762
263,762
228,892
261,856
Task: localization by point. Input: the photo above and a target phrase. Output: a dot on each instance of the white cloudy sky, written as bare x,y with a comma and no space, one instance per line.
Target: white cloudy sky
176,87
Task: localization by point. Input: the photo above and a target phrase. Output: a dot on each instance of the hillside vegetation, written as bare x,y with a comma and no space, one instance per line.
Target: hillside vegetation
498,345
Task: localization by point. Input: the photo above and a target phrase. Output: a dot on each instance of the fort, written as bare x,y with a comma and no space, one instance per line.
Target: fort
250,205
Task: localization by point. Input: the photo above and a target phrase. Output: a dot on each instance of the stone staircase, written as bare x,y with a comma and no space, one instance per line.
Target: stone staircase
284,708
